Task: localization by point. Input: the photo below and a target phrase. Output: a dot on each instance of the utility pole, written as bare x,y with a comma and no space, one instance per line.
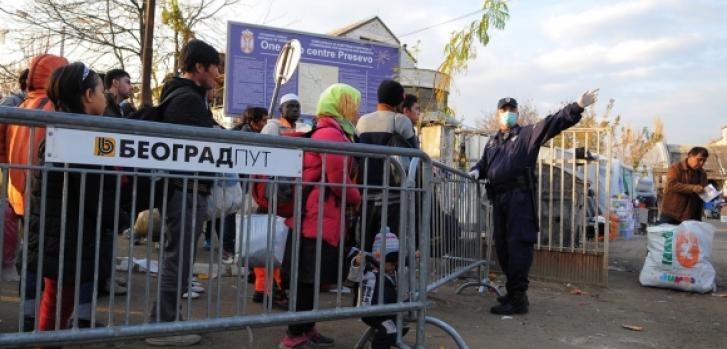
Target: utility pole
63,40
147,53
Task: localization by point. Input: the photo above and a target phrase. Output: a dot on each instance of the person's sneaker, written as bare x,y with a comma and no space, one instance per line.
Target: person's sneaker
193,295
228,257
257,297
320,340
301,342
342,290
174,341
196,288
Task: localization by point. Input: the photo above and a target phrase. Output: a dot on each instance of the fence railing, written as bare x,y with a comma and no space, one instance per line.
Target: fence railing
461,236
574,176
74,214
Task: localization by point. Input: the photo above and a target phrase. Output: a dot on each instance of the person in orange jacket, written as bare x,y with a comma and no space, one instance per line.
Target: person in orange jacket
15,147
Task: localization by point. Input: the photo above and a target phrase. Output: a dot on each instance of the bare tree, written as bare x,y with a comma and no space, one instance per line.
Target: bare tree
182,18
91,30
629,144
10,70
528,115
633,143
107,33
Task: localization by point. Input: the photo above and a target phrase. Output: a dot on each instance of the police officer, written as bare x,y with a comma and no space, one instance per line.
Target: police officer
507,166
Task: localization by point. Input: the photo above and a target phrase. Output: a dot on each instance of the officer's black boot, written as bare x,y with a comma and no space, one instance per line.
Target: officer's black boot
517,304
503,299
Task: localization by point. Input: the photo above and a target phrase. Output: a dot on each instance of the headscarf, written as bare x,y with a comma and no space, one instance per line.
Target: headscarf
340,101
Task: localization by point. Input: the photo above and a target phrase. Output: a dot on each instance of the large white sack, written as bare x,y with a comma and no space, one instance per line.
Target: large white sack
678,257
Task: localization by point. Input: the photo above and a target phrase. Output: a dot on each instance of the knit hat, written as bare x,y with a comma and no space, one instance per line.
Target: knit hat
391,93
392,246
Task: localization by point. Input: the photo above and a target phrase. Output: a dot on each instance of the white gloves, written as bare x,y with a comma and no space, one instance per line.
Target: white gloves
588,98
475,174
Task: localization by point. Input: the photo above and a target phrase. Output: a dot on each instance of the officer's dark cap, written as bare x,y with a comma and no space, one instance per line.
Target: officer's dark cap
506,101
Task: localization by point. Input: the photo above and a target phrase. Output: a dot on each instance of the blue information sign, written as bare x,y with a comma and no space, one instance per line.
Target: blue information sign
252,51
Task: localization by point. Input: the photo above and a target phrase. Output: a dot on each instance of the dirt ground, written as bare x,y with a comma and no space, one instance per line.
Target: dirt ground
559,317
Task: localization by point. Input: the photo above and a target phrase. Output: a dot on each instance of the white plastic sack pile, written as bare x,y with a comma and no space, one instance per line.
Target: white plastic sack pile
678,257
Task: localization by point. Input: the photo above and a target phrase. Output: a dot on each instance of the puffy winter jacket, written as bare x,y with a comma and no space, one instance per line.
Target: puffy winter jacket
16,139
328,130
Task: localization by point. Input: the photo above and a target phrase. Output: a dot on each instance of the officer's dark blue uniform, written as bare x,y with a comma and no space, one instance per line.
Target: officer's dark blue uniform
507,158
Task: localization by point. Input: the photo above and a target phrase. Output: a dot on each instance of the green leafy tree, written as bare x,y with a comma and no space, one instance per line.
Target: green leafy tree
462,48
182,17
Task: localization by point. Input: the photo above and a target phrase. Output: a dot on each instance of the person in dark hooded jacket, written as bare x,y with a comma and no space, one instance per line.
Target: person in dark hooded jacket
187,105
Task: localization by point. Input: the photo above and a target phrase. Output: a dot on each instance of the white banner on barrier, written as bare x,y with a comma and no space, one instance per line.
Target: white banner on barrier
117,149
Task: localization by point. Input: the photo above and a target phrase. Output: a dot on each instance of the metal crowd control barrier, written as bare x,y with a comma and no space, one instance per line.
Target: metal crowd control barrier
460,218
574,207
76,212
461,239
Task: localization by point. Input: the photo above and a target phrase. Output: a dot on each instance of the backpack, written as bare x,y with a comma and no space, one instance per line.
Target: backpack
155,113
285,196
397,140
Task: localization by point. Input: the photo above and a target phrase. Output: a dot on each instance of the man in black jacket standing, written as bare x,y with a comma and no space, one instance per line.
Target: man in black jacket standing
187,201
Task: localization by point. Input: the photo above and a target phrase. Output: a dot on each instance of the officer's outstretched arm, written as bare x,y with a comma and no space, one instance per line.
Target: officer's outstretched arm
565,118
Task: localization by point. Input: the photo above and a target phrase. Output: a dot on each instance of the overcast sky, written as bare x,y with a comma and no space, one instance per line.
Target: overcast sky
665,58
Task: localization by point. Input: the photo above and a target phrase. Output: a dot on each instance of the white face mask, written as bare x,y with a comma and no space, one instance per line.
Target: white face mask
508,119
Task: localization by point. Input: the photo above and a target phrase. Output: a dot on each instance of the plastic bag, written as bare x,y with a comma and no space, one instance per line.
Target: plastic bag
624,210
257,239
678,257
226,197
